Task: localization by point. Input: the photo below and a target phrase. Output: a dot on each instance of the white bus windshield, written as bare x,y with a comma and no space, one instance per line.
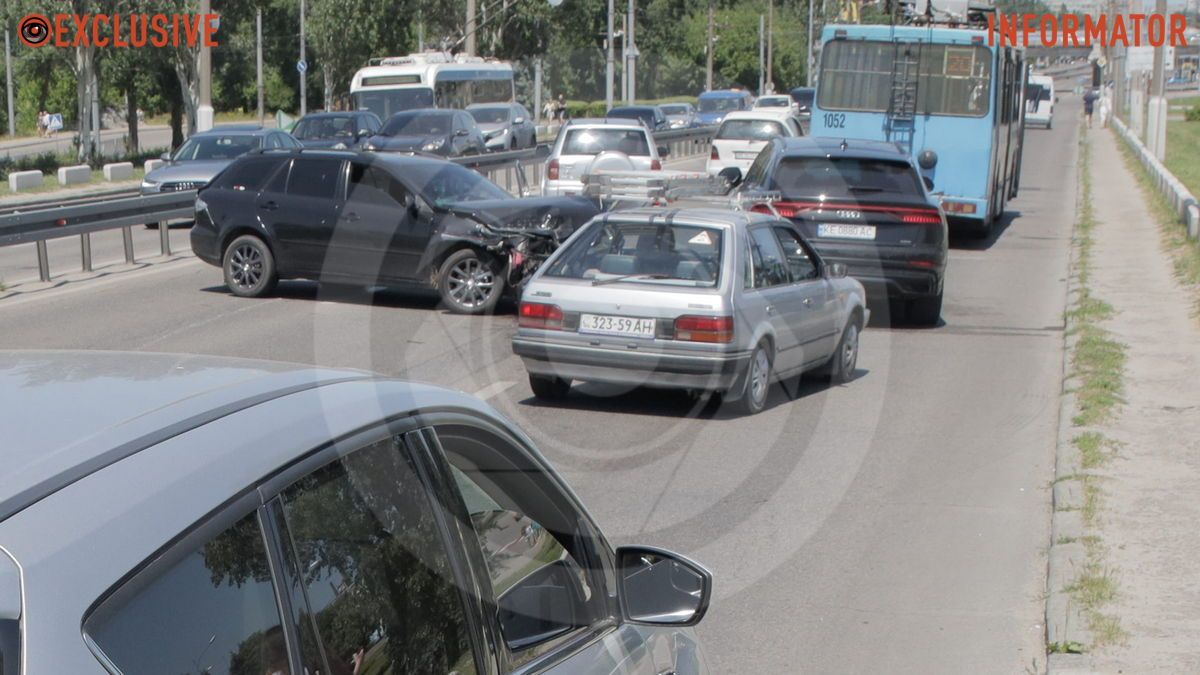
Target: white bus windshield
386,102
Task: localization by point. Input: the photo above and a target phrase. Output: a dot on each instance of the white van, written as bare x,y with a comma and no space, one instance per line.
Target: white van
744,133
1039,101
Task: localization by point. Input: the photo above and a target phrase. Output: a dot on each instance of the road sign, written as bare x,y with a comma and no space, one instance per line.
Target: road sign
555,3
1141,58
302,66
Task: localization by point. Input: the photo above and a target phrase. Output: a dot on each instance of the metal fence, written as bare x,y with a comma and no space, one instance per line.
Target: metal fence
520,172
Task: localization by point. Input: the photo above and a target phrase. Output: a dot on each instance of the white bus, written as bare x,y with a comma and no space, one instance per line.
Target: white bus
430,80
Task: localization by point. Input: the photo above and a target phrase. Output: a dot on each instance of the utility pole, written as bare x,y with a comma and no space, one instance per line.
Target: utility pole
762,59
1157,136
12,122
204,111
303,69
537,88
809,67
632,54
771,45
470,27
708,47
608,64
258,30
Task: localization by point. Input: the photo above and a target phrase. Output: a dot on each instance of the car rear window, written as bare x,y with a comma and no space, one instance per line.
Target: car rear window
749,130
842,177
248,174
654,253
595,141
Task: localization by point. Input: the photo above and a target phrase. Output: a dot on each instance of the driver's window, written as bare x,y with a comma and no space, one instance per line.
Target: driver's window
800,265
533,552
368,183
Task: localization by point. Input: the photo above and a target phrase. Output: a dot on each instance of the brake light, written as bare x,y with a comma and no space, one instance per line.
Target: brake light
655,165
922,218
714,154
539,315
552,170
784,209
958,207
704,328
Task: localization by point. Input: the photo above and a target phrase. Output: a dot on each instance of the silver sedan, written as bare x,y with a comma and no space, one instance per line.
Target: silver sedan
701,299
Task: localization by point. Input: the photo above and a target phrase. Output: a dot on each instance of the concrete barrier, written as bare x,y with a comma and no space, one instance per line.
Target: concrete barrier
74,175
118,171
24,180
152,164
1182,202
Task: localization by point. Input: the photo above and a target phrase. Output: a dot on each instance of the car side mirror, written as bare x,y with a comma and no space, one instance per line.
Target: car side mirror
661,588
461,132
519,120
835,271
663,151
732,176
928,182
166,157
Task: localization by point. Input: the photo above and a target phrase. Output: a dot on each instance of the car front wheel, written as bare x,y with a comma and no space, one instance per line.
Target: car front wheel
469,284
249,267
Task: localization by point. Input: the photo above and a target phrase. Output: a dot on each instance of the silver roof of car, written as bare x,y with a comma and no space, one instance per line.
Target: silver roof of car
699,215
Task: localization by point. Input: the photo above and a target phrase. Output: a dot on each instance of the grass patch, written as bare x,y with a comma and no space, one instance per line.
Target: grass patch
1064,648
1099,362
1183,138
1096,587
1093,501
1095,450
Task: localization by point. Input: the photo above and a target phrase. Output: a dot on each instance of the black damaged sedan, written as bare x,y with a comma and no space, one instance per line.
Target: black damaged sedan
368,219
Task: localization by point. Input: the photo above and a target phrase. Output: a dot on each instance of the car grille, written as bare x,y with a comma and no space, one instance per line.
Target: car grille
180,186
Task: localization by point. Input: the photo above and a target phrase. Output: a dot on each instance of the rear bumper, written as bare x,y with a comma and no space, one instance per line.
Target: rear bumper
894,276
204,244
713,372
562,188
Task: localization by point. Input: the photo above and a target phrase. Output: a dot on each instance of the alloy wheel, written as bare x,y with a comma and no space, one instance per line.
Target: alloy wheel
246,266
471,282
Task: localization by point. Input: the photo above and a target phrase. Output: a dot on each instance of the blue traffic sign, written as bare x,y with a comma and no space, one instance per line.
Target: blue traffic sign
301,66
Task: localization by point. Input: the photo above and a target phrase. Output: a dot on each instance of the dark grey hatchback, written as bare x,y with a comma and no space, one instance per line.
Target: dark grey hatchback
862,203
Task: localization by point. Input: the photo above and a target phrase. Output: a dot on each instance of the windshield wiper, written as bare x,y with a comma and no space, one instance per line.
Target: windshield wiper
625,277
863,188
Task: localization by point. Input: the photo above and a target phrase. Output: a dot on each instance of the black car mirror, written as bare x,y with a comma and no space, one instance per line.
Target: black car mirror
928,182
661,588
663,151
835,271
732,176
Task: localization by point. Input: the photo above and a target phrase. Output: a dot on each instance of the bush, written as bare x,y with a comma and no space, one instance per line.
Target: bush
1192,114
48,163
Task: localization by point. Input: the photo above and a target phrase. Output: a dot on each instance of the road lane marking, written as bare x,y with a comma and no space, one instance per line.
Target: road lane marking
493,389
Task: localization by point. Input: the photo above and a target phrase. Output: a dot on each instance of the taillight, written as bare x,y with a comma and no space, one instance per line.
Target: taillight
784,210
714,154
540,315
922,218
704,328
552,170
655,165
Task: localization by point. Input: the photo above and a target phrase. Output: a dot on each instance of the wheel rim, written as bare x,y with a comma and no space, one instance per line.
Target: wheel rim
850,349
246,266
760,367
470,283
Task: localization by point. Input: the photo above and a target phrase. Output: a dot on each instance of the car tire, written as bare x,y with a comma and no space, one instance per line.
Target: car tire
469,283
925,311
513,145
756,381
249,267
844,362
549,388
151,226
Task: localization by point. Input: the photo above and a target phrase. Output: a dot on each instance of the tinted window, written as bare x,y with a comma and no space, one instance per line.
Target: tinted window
842,177
675,109
10,647
248,174
373,184
769,266
490,115
371,563
206,608
387,101
800,265
314,178
673,254
442,184
311,128
719,104
749,130
227,146
418,124
595,141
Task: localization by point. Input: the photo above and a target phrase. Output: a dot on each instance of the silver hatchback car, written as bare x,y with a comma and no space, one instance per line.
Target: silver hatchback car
703,299
184,514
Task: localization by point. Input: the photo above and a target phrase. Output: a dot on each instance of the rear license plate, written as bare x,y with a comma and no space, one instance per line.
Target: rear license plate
625,326
745,155
846,231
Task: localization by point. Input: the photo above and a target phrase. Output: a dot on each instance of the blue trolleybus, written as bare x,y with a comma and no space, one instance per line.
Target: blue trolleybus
944,94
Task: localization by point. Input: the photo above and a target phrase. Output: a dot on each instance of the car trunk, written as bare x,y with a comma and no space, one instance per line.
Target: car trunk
736,150
861,222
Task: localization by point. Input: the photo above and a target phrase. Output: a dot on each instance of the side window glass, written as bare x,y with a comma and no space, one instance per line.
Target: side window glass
538,572
758,169
748,263
314,178
769,267
208,607
278,182
372,184
365,549
800,266
248,174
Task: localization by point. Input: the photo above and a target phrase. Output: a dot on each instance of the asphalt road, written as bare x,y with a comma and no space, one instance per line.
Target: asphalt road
896,524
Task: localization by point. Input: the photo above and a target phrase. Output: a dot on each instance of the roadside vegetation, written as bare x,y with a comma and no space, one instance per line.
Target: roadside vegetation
1097,364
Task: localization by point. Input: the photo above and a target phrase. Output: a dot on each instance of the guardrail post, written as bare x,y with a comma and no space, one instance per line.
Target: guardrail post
43,261
127,237
85,250
164,238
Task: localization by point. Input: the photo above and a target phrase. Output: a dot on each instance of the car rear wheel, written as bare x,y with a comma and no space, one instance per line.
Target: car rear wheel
469,284
757,381
249,267
549,388
925,311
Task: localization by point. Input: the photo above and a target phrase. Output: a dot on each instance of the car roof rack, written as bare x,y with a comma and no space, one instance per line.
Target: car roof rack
662,188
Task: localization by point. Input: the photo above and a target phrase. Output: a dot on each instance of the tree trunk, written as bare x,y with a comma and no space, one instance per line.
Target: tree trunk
327,74
176,122
187,69
83,74
131,119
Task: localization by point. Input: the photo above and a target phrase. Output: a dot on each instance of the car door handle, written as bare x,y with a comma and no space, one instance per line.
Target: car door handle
807,301
770,309
352,217
269,206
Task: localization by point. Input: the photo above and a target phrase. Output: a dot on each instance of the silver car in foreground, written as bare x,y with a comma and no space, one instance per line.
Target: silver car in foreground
187,514
703,299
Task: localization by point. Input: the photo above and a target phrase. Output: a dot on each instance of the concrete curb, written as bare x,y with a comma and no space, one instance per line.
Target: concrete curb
1182,201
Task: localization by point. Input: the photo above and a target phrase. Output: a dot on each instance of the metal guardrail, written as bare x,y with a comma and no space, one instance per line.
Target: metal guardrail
517,171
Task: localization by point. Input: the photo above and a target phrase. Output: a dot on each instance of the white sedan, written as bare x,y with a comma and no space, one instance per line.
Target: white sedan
745,133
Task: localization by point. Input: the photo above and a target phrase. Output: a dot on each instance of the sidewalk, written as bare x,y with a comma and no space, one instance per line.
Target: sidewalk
1150,518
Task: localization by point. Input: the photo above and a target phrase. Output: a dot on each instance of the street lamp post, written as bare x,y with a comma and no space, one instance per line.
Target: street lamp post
259,76
608,65
204,111
708,47
303,69
771,45
470,46
762,59
631,54
808,68
12,122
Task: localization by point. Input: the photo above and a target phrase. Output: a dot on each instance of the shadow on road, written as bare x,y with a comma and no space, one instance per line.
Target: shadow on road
374,296
962,238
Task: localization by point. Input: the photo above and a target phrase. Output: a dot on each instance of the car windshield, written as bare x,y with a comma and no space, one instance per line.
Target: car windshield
719,104
774,102
418,124
443,184
224,146
490,115
804,98
387,102
680,109
644,253
842,177
594,141
313,128
643,114
749,130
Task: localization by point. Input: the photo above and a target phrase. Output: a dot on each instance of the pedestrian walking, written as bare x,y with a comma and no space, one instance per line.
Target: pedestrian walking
1089,103
561,108
41,123
548,110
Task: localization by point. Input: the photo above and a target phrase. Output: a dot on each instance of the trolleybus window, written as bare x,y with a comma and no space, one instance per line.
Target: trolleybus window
953,79
385,102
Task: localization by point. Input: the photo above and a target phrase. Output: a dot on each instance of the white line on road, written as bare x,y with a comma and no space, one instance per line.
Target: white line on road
494,389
